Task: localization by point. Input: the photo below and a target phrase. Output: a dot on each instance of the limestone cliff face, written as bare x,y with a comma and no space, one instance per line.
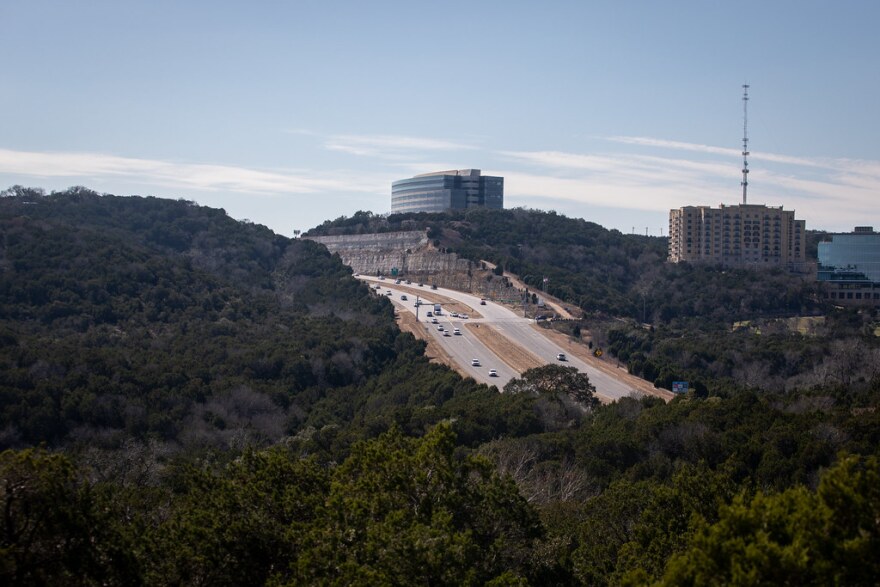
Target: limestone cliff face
410,252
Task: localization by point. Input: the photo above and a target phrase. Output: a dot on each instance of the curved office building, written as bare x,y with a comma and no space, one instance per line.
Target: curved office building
447,190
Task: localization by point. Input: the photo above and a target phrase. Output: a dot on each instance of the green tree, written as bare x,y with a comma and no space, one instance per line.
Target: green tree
797,537
55,529
404,511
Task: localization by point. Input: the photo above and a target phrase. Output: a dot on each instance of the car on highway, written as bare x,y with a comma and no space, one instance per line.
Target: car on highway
388,293
396,282
430,313
456,331
433,321
493,373
482,302
403,297
446,333
463,316
560,356
475,362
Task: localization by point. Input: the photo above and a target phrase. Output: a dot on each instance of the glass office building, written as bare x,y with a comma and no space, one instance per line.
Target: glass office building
447,190
849,265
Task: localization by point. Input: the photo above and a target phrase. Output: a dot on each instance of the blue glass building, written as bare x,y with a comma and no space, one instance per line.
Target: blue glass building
849,265
447,190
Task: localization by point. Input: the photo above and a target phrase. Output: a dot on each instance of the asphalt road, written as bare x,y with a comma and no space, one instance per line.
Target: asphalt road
518,330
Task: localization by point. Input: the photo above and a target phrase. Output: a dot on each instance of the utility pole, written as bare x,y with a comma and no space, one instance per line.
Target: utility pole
745,152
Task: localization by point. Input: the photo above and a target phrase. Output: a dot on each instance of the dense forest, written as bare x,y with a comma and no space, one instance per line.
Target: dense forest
187,399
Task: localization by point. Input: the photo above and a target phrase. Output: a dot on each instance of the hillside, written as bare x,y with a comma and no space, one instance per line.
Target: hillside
220,405
665,321
129,317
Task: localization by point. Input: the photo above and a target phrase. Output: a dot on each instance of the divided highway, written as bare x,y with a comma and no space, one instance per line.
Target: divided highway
516,329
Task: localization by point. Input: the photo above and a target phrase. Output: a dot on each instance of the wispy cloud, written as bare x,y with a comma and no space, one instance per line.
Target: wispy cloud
393,147
832,191
208,177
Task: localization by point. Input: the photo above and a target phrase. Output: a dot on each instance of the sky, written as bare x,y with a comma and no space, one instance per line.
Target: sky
290,113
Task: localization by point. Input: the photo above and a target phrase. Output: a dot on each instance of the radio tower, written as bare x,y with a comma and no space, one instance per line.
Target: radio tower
745,181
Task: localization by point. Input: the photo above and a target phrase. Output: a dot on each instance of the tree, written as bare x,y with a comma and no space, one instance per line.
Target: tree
797,537
555,379
410,511
56,530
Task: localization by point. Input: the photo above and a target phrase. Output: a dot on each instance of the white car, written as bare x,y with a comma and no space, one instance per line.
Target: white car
456,331
446,333
454,315
475,362
433,321
463,316
560,356
493,373
440,328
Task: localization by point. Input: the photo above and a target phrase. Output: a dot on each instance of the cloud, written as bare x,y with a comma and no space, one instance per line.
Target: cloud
827,192
390,146
208,177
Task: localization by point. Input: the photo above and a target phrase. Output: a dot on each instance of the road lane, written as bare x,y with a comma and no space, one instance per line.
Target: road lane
462,348
522,331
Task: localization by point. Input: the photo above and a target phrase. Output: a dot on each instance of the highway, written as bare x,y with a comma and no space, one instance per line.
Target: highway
518,330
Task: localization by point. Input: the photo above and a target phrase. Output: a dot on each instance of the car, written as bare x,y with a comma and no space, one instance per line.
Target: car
378,287
463,316
440,328
446,333
408,282
430,313
421,285
560,356
433,286
475,362
456,331
493,373
396,282
454,315
482,302
381,278
403,298
388,293
433,321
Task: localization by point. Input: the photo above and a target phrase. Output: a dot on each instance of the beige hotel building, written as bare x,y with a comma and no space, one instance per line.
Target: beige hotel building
743,235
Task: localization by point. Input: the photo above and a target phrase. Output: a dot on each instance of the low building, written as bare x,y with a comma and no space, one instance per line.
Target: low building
447,190
743,235
849,268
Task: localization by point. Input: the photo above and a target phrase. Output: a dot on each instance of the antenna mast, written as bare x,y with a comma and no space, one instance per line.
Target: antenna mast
745,181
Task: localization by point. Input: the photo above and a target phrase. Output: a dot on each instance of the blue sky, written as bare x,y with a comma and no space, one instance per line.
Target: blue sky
291,113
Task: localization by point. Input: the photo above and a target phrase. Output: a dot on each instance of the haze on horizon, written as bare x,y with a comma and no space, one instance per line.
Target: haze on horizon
294,113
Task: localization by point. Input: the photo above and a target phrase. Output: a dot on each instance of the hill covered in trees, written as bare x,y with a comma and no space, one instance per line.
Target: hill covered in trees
187,399
723,329
129,317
